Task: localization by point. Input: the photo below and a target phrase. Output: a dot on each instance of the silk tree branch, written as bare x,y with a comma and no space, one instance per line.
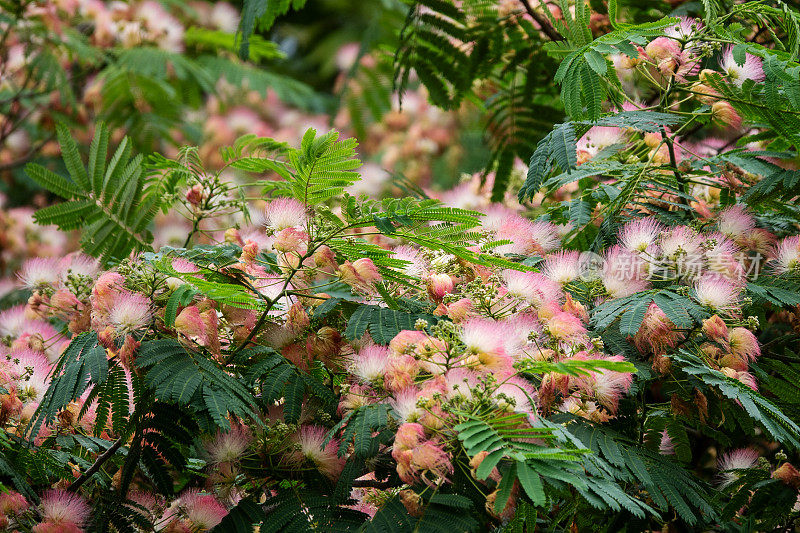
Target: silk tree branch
101,459
543,23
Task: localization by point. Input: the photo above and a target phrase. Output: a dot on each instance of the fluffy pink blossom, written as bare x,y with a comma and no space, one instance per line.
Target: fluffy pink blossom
743,344
417,266
430,463
369,364
520,390
285,213
657,332
400,372
40,272
624,272
151,503
740,459
725,115
542,237
599,137
104,294
681,242
460,383
666,53
641,234
786,255
200,327
487,343
130,311
62,508
34,368
717,292
416,342
325,458
738,74
183,266
685,28
735,221
527,238
79,264
665,445
404,403
229,445
63,301
195,511
563,266
408,436
290,240
535,288
563,325
13,321
12,503
608,386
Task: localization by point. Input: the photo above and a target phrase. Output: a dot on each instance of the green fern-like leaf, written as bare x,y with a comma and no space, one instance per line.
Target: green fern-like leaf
758,408
105,200
83,363
383,324
187,378
262,13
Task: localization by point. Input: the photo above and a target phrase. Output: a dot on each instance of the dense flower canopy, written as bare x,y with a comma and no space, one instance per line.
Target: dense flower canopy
544,274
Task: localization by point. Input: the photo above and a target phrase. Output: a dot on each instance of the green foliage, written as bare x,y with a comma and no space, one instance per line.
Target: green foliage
584,72
182,296
261,13
278,379
191,379
454,47
82,364
575,367
241,518
229,288
630,310
304,510
319,170
755,406
359,426
383,324
777,291
440,513
106,199
161,434
665,482
506,437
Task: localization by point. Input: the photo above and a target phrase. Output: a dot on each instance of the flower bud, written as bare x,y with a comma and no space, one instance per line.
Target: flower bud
439,285
290,240
232,236
195,195
412,502
715,329
788,474
361,274
249,252
724,114
64,301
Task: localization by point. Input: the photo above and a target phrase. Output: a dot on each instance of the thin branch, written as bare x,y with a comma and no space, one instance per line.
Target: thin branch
543,23
105,456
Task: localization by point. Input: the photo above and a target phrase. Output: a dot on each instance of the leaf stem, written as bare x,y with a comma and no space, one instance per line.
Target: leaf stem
101,459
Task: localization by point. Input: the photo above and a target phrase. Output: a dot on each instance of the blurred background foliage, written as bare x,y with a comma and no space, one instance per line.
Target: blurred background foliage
172,73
